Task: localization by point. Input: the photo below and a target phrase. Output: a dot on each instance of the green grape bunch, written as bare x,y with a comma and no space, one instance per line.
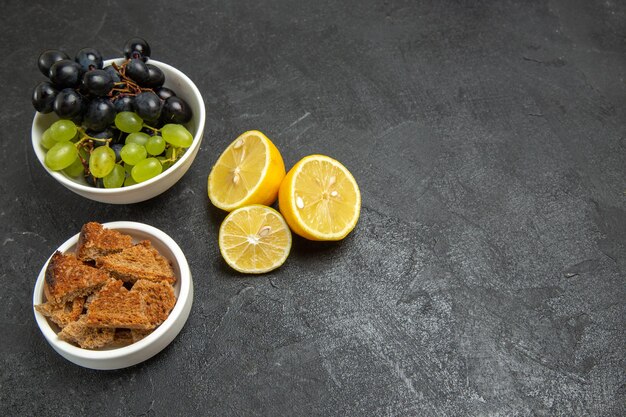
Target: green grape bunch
118,125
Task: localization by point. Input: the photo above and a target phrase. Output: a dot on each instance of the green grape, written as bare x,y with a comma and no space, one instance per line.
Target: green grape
155,145
128,168
128,122
102,161
46,139
132,153
176,135
115,178
75,169
129,181
146,169
63,130
61,156
139,138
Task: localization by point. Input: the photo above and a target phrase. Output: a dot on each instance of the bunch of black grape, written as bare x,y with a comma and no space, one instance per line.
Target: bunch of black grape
111,106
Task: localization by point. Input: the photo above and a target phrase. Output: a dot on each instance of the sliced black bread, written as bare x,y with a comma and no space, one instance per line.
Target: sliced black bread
140,261
68,278
116,307
95,241
64,313
85,336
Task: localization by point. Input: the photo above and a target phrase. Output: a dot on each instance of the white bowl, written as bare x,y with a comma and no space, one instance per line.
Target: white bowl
184,89
150,345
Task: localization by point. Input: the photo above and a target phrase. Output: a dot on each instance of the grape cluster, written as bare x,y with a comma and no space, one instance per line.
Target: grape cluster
118,124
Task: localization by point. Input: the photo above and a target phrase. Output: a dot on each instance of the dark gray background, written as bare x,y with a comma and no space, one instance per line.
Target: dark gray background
487,273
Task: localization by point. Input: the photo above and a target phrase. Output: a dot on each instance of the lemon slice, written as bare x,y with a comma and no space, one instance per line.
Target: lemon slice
249,171
254,239
320,199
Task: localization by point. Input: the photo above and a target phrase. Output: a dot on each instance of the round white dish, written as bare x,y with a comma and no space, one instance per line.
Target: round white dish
184,88
153,343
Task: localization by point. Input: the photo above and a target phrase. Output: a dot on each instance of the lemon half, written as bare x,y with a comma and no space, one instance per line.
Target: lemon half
320,199
249,171
254,239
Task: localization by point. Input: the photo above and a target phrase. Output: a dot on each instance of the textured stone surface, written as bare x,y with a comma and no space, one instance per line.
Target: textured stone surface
487,274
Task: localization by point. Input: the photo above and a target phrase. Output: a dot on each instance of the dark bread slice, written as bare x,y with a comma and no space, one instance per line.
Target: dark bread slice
141,261
114,306
95,241
68,278
64,313
159,298
138,334
123,337
89,299
86,337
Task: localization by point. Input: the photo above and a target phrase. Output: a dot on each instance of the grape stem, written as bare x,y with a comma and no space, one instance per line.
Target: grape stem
85,164
154,129
132,88
171,158
85,137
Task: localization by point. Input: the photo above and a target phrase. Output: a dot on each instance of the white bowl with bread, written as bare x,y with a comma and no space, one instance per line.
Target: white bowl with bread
185,89
113,295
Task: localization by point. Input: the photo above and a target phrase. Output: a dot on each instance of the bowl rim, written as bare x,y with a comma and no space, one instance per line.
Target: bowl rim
59,176
116,353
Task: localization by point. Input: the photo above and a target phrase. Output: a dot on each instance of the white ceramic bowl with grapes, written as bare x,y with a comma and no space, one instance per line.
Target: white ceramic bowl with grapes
185,89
